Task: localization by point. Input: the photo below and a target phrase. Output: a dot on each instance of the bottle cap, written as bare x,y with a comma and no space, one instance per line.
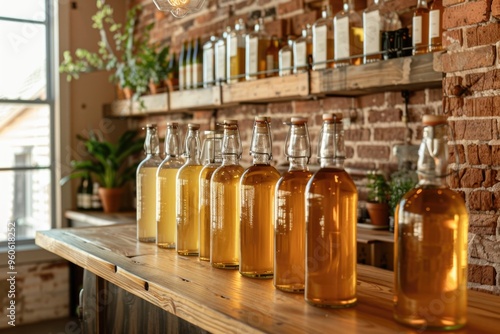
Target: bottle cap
434,120
229,122
193,126
332,117
172,125
298,120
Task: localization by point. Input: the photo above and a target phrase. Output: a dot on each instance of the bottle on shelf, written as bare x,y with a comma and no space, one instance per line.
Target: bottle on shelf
256,44
197,64
166,189
225,202
348,39
188,65
322,37
80,193
208,62
302,49
272,57
211,158
420,32
236,53
430,250
331,215
220,57
182,66
436,26
286,57
258,184
173,73
96,200
289,223
146,186
188,201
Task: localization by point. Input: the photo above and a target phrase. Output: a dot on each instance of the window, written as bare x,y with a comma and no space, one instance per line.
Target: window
26,117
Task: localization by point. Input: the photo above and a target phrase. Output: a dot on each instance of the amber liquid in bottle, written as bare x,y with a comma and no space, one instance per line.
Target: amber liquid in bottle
236,53
436,26
256,44
348,40
146,204
205,178
322,41
166,216
420,35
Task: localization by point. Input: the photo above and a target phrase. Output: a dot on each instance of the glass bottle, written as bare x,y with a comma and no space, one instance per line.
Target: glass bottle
173,72
208,62
348,39
236,53
188,65
167,190
146,186
197,64
289,224
272,57
373,28
436,26
420,34
286,57
322,32
80,193
430,250
302,49
256,44
258,187
331,209
182,66
211,159
225,202
220,57
96,200
188,201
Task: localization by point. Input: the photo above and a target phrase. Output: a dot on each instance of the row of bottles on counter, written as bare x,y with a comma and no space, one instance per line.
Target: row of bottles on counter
346,38
300,228
87,196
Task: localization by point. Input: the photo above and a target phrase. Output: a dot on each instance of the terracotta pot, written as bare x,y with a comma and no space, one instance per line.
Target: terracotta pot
111,198
128,92
378,212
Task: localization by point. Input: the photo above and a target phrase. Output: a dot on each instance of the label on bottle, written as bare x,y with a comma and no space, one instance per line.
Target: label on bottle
372,28
189,77
319,47
208,67
300,54
220,62
87,201
252,55
269,64
197,75
417,30
341,40
233,46
285,64
434,23
182,77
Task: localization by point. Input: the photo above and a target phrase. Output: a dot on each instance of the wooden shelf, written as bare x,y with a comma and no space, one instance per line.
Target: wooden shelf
408,73
223,301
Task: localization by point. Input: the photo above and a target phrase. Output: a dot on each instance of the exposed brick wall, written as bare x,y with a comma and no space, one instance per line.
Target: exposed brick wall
467,97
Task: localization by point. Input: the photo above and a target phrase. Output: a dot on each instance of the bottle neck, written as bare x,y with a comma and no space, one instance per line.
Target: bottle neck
152,142
298,164
432,164
331,151
422,4
261,147
172,143
193,147
231,146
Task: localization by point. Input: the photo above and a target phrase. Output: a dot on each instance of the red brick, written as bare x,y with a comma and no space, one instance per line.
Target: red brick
285,108
473,129
495,155
453,106
298,22
386,115
473,155
434,95
453,151
488,276
390,134
489,178
301,107
480,106
417,97
376,152
483,35
452,39
495,8
335,103
483,81
472,178
485,154
480,57
480,200
371,100
289,7
449,84
474,273
357,135
466,14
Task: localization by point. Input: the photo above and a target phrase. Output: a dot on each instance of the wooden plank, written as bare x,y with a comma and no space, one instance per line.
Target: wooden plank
157,103
99,218
224,301
289,87
415,72
202,98
121,108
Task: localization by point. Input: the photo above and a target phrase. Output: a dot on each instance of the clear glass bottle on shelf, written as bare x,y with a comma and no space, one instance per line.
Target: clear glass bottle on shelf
258,187
272,57
289,223
431,227
420,26
209,62
286,57
182,66
166,189
225,202
188,201
188,65
211,158
221,57
146,186
322,37
256,44
197,64
302,49
436,26
348,39
236,53
331,215
173,73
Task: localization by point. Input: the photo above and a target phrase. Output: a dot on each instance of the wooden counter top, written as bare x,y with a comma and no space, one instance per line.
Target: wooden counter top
224,301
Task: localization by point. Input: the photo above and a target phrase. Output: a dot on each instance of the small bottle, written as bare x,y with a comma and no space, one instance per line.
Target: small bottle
236,53
188,65
211,159
420,33
331,215
258,185
166,189
80,193
225,202
173,72
208,62
188,201
430,250
146,186
289,223
436,26
302,49
323,47
96,200
220,57
197,64
286,57
256,44
348,39
272,57
182,66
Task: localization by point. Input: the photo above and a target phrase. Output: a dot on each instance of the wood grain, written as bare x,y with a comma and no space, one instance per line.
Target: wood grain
201,98
224,301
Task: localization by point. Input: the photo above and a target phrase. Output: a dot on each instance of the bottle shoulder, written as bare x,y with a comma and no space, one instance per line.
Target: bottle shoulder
432,199
261,170
150,161
170,162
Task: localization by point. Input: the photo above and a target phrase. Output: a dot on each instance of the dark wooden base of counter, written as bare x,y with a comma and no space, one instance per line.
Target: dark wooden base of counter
224,301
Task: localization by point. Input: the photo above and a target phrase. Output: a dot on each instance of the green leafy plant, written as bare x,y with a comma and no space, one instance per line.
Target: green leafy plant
107,162
401,182
378,188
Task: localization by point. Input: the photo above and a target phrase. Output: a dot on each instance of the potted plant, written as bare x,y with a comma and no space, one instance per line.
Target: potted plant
377,203
107,165
401,182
